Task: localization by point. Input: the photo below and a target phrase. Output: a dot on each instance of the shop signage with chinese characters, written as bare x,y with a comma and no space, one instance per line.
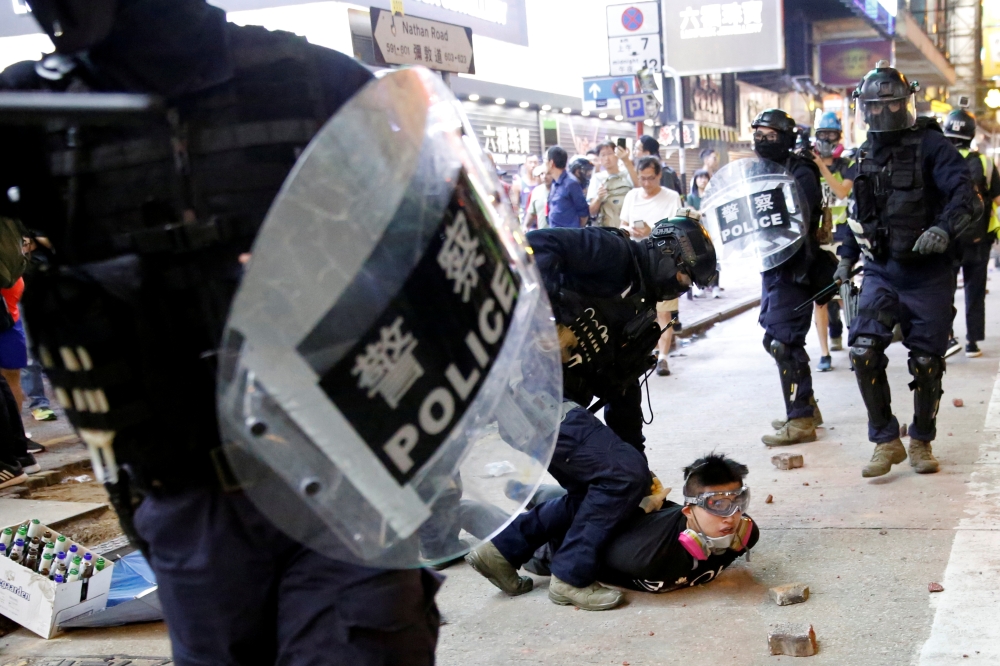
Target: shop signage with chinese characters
704,36
508,145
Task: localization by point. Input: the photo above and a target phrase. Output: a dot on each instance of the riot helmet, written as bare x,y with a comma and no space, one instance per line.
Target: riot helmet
960,127
884,100
680,243
75,25
828,134
774,147
581,169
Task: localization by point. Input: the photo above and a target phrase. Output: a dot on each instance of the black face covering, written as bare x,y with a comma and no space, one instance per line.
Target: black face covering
662,279
776,151
170,47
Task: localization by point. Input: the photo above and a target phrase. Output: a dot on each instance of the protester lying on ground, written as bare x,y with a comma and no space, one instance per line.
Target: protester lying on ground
667,549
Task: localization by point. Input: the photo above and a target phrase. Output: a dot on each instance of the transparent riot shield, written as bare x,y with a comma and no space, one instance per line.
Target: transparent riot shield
752,209
390,363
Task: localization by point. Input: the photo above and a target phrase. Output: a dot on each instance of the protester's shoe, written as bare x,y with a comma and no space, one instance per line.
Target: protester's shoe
43,414
28,463
886,455
594,597
972,350
516,490
716,292
11,474
778,424
795,431
662,369
921,458
825,364
954,346
489,563
836,344
34,447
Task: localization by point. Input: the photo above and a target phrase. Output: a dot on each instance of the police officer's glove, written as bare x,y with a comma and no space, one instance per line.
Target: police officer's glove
843,272
933,241
654,500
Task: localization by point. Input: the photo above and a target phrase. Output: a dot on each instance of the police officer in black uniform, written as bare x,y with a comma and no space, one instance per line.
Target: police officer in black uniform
790,284
148,220
604,289
973,256
912,199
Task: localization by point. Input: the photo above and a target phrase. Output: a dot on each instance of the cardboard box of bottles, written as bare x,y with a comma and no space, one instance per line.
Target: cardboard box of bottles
39,604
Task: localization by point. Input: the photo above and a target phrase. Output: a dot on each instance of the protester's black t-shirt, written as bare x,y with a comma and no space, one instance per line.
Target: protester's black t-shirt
646,555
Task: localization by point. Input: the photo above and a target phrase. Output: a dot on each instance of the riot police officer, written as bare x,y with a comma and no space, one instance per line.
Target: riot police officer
912,199
973,256
149,220
790,284
604,288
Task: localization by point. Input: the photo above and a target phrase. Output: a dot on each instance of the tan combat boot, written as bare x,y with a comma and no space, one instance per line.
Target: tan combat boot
594,597
921,458
778,424
796,431
492,565
886,455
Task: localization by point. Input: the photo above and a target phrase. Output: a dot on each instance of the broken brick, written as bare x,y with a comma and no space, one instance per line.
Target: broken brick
770,498
787,460
958,402
795,640
935,587
792,593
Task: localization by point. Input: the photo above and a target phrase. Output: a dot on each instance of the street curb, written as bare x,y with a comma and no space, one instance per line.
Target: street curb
703,325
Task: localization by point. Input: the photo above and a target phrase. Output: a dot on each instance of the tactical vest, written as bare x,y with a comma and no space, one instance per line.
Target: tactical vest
127,319
892,210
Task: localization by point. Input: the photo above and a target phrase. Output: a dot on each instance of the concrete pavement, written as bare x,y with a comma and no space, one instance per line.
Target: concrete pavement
867,548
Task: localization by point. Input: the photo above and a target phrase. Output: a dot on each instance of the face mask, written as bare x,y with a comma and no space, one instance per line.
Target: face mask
776,151
825,147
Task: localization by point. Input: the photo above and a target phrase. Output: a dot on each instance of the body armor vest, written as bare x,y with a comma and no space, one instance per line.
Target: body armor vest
892,210
156,216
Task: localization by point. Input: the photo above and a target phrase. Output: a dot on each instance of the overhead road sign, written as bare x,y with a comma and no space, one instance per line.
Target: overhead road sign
640,107
627,55
636,18
604,91
408,40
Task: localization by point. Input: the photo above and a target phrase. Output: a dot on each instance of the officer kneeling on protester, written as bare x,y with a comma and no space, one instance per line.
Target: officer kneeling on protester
912,200
149,219
679,545
788,285
973,255
604,289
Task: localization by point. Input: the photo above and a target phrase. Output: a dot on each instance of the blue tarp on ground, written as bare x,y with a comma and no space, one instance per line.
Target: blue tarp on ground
132,598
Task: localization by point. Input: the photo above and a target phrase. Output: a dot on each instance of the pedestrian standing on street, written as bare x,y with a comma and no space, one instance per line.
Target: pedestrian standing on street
837,175
642,209
973,255
789,284
524,182
912,199
534,217
148,230
647,146
16,457
608,187
709,160
567,205
698,184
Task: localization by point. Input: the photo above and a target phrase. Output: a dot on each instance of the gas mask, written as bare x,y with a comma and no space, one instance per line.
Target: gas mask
825,147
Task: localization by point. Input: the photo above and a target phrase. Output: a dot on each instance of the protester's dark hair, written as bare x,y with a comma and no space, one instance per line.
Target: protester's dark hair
694,181
558,156
611,145
650,161
715,469
649,144
705,153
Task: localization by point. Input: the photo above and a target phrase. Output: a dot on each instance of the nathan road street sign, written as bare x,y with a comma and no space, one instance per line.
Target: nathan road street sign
408,40
637,108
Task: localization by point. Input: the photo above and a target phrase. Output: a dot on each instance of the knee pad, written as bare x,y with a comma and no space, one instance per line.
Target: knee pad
779,351
867,355
925,367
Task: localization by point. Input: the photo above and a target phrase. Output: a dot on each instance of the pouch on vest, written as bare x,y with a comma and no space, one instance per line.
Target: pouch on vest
12,259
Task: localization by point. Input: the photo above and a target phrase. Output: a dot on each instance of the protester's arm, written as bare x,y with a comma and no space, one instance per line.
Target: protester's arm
588,252
579,202
629,167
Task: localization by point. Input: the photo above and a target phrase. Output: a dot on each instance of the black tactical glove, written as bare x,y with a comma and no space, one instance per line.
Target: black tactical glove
933,241
843,272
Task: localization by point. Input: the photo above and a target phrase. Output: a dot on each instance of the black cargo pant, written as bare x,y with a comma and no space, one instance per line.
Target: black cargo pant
975,266
13,443
236,590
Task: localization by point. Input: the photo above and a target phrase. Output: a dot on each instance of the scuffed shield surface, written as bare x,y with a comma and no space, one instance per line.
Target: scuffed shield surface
752,209
390,363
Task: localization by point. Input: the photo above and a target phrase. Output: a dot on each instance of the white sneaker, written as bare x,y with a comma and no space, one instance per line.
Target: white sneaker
716,292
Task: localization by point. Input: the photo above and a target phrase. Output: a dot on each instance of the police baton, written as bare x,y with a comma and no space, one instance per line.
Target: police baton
825,291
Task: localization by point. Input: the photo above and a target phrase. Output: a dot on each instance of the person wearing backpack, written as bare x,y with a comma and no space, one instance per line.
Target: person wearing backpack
973,257
912,199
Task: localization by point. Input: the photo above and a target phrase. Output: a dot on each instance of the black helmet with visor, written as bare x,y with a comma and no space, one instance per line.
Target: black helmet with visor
960,126
685,241
884,100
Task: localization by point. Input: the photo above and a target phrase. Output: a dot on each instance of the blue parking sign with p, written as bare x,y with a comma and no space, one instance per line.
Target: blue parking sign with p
635,108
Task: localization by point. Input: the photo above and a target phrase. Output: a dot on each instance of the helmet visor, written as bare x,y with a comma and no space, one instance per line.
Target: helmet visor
886,115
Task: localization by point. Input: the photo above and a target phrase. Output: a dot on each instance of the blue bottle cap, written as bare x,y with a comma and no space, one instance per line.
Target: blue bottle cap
3,548
73,548
61,556
19,542
87,557
59,578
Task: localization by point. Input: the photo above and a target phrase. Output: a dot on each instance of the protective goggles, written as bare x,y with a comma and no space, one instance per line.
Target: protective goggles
722,504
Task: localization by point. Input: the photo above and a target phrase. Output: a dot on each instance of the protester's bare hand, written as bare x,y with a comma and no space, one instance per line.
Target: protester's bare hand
622,153
602,192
